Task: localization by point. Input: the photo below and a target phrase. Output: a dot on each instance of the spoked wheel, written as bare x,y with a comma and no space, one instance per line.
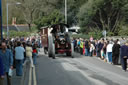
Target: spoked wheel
72,51
45,50
51,47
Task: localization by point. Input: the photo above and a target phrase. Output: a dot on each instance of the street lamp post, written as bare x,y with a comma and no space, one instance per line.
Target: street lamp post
65,11
7,20
7,15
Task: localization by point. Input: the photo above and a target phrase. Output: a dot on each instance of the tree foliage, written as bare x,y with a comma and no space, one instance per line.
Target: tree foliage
102,14
73,7
54,18
90,15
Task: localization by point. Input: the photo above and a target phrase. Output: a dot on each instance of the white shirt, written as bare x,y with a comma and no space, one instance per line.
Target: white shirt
109,47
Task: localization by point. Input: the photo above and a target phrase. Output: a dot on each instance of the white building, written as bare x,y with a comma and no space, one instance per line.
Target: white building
74,29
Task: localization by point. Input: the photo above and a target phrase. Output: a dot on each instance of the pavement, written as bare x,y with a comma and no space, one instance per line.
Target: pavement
80,70
15,79
20,80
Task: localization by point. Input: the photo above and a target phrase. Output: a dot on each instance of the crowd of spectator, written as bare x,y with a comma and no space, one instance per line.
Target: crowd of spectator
112,51
13,53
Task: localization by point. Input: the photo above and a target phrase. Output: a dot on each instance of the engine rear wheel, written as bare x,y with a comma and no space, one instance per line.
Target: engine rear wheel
72,51
45,50
53,51
51,47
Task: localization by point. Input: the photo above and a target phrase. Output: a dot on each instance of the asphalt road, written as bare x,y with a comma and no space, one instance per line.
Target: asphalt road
80,70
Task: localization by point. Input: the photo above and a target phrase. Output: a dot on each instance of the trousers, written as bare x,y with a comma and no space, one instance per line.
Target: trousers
8,80
110,56
124,63
1,81
19,67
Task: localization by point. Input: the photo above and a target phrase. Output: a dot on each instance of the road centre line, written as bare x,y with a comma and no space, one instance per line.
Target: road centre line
30,77
34,76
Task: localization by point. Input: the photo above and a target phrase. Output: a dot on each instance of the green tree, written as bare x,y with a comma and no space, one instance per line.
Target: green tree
54,18
73,8
102,14
35,9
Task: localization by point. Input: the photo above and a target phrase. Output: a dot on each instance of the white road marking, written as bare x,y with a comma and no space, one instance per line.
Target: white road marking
34,76
30,77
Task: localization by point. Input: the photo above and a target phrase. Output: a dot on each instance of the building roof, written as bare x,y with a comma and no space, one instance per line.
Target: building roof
16,28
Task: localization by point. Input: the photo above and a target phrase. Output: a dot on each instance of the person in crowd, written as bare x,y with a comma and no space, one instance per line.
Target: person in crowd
102,54
91,38
100,46
109,51
19,55
7,59
123,41
92,48
29,53
81,46
78,45
115,53
74,43
118,41
34,53
1,71
104,51
96,46
14,59
124,56
24,46
86,48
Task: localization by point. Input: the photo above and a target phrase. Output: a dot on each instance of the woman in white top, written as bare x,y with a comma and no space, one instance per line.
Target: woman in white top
92,48
109,51
29,53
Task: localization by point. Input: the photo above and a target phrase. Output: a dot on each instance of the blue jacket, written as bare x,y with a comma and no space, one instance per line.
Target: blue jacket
7,59
1,67
124,51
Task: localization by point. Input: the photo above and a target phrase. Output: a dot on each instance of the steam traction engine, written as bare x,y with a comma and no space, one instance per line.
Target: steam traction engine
56,40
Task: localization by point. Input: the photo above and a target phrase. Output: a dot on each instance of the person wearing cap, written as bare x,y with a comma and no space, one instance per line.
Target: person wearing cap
124,56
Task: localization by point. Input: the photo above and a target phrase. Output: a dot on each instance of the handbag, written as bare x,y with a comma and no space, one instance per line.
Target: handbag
10,73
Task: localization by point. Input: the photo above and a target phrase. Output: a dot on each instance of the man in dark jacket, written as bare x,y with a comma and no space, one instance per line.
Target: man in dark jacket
1,71
115,53
100,46
74,43
124,56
